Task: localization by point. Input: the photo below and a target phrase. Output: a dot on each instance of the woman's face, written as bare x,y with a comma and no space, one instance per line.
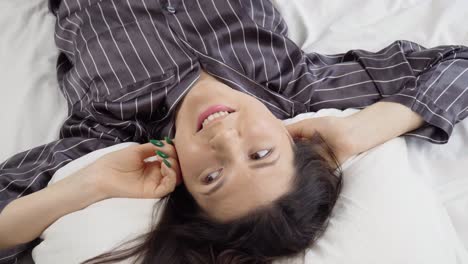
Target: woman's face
238,162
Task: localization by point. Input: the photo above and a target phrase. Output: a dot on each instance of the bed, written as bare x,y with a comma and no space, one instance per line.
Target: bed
32,109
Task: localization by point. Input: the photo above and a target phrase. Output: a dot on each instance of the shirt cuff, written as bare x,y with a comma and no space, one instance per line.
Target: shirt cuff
438,123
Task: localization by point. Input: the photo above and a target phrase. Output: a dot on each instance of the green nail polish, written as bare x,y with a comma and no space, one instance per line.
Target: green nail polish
168,164
162,154
157,143
168,140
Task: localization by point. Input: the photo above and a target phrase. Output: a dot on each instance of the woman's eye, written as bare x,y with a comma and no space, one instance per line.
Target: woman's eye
261,154
212,177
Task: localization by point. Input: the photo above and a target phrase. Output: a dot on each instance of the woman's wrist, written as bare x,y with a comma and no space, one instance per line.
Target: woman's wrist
379,123
87,180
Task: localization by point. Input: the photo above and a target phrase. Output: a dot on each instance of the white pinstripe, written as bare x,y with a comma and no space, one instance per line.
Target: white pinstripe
258,45
343,99
84,67
142,88
7,257
240,74
428,138
71,22
230,36
144,37
115,42
212,29
34,180
68,8
161,40
418,58
178,98
381,59
273,18
66,51
465,109
272,50
78,97
442,72
77,17
94,108
151,105
277,62
427,107
279,23
121,111
19,173
79,5
448,86
95,66
40,155
195,27
458,97
289,56
129,39
24,158
322,79
64,29
334,65
387,67
243,34
77,83
320,59
263,12
65,93
368,81
180,25
177,42
102,48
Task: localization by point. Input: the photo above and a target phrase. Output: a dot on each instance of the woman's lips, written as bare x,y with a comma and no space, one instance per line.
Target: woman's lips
211,110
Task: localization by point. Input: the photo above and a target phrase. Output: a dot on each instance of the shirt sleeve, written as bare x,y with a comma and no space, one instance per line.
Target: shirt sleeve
431,82
31,170
439,90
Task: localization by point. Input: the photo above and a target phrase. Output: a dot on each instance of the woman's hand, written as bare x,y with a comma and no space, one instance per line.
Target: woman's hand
124,173
334,130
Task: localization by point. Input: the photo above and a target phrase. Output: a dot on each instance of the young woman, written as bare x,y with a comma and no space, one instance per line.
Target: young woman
217,77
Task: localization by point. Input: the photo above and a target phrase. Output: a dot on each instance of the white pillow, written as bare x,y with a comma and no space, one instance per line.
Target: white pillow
384,215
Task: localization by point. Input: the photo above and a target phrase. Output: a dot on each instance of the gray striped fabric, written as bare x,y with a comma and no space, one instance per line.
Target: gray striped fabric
125,65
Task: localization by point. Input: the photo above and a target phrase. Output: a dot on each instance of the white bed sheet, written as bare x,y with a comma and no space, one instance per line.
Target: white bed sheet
334,26
32,109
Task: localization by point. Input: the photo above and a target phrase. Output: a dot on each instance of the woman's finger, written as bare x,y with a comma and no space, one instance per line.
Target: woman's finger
167,183
164,147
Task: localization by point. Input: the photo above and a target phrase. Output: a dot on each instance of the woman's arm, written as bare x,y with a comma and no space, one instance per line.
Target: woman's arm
24,219
122,173
379,123
351,135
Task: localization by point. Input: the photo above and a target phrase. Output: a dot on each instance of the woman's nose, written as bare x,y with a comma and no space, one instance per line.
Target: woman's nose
225,140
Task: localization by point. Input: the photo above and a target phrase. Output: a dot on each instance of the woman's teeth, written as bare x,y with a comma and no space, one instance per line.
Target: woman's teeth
213,116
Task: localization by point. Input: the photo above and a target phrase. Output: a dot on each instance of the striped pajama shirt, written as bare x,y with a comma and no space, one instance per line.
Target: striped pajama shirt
124,66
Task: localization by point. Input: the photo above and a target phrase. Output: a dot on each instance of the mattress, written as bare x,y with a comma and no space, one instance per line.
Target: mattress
32,108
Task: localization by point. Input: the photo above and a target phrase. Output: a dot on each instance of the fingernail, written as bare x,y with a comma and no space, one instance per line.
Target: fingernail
157,143
162,154
168,164
168,140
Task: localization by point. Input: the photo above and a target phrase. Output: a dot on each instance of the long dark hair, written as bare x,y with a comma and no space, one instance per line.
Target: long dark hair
287,226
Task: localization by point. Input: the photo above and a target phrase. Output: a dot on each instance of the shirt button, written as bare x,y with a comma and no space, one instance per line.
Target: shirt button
170,9
164,109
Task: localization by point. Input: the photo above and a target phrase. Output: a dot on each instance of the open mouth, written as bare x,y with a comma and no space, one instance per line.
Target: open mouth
212,114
